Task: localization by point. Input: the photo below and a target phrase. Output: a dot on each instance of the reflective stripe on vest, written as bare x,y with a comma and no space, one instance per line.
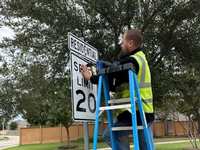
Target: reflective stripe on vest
144,79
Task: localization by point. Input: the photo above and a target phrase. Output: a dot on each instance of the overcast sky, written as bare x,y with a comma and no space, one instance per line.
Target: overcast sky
6,32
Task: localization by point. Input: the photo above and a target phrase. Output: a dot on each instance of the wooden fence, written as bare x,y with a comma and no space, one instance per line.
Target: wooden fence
76,131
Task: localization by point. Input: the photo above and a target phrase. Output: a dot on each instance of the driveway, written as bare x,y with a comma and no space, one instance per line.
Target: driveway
12,141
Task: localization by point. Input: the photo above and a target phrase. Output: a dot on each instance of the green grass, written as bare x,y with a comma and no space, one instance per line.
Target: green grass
169,139
179,146
80,145
36,147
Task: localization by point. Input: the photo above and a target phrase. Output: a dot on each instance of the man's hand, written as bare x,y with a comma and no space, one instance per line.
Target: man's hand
86,72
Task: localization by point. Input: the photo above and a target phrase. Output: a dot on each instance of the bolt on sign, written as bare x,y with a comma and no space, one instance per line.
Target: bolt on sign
83,92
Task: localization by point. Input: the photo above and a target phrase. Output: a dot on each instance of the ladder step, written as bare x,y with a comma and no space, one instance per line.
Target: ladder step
115,107
121,100
126,128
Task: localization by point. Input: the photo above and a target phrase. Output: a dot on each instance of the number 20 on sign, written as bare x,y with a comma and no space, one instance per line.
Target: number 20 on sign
84,93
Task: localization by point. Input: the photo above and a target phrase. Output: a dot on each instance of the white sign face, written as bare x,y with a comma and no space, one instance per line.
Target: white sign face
82,48
83,92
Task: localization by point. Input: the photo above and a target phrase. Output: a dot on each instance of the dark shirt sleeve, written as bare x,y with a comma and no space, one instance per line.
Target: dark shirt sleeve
117,78
94,79
130,60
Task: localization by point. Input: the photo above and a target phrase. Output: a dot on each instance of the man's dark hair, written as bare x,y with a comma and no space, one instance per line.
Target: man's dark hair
135,35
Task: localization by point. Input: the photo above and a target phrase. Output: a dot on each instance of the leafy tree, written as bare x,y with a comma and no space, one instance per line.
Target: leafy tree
60,110
189,86
13,126
7,100
171,41
32,94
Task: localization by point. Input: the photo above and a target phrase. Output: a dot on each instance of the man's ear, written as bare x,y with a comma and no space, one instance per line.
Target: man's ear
131,43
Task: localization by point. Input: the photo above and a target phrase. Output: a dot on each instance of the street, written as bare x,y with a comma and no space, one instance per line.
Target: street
12,141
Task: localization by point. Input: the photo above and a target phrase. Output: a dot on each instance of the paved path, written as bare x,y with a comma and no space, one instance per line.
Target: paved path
12,141
157,143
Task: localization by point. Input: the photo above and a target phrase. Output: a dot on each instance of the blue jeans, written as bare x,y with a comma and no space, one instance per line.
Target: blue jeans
122,137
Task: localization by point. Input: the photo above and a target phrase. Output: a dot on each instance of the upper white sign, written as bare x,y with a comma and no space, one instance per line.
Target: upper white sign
79,46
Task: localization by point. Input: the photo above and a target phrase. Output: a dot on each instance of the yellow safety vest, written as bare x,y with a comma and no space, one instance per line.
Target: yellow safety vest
144,81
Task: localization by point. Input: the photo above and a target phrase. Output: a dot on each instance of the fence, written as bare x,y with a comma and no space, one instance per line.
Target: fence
51,134
76,131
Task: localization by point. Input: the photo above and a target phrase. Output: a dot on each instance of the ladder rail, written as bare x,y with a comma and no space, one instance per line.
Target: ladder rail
133,110
147,133
98,103
109,113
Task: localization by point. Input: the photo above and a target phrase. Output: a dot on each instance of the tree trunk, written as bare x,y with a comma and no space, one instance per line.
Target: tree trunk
194,134
166,127
68,137
198,126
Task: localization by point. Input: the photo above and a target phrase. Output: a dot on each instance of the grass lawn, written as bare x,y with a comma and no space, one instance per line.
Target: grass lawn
36,147
80,145
169,139
54,146
178,146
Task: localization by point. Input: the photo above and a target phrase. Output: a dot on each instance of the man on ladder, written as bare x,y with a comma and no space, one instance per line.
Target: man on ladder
131,53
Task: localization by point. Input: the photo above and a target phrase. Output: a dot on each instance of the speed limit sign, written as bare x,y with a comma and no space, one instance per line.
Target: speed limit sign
83,92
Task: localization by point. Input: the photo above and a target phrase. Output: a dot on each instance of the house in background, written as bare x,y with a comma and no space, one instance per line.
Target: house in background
19,122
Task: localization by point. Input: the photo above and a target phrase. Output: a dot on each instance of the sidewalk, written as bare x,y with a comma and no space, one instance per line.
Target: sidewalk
11,142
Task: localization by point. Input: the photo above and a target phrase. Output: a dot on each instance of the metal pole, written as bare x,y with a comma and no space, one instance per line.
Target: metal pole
86,135
140,8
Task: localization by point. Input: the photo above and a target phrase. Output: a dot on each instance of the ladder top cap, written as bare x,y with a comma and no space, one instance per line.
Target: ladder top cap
116,68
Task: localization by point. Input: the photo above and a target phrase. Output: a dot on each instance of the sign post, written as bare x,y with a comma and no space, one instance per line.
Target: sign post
83,92
86,135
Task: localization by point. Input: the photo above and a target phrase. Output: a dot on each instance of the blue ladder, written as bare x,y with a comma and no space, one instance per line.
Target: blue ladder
134,99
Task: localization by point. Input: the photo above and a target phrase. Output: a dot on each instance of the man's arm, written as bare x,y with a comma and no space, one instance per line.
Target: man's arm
117,78
114,79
